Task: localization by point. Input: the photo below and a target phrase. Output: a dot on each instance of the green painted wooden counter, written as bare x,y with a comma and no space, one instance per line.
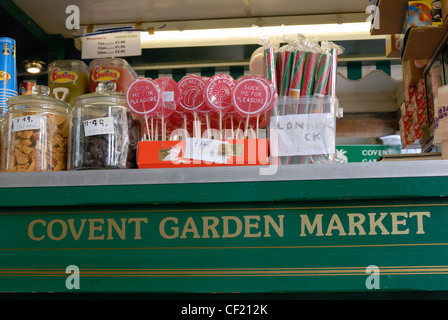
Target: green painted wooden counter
307,228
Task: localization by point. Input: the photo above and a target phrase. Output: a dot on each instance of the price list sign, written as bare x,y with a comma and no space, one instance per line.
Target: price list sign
107,45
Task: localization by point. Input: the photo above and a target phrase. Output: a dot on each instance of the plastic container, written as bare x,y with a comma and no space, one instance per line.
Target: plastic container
8,72
303,130
104,134
35,133
68,79
111,70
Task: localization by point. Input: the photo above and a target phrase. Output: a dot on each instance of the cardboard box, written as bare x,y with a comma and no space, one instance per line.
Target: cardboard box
423,13
410,101
420,43
406,131
420,93
445,11
173,154
411,74
420,113
394,44
391,17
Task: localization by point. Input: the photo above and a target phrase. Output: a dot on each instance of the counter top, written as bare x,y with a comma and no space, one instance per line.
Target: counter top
367,170
401,179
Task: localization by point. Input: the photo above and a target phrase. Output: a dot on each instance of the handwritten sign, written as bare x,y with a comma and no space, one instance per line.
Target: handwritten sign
204,149
302,134
99,126
31,122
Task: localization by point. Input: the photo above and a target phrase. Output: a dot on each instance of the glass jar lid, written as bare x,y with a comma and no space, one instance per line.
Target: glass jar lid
39,98
105,92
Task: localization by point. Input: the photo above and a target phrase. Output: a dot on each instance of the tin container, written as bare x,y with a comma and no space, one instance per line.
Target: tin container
35,133
8,72
104,133
68,79
26,87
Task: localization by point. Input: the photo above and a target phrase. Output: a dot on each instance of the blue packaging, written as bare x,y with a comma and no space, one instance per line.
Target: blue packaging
8,71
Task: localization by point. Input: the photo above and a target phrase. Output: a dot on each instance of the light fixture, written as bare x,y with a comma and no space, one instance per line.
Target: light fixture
34,66
238,36
243,31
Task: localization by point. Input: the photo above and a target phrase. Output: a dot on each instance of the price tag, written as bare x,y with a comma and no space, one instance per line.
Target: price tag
168,96
99,126
302,134
205,150
106,45
26,123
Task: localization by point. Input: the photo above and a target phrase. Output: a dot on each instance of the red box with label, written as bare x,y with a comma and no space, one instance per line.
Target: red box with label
420,113
171,154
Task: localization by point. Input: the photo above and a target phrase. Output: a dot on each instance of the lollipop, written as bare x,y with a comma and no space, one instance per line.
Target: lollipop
192,95
143,98
170,97
218,94
251,97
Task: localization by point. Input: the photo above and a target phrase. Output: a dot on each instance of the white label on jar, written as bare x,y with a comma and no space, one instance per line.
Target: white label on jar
99,126
31,122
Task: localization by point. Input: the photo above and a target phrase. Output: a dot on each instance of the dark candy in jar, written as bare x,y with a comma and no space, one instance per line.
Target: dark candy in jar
117,150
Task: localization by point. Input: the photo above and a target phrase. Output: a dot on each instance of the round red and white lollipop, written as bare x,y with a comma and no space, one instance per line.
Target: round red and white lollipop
251,96
170,96
143,97
192,93
218,92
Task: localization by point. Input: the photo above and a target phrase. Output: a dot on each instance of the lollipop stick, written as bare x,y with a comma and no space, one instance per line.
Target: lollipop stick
247,127
185,126
163,128
195,125
258,119
220,123
239,123
152,129
157,129
231,124
148,133
207,120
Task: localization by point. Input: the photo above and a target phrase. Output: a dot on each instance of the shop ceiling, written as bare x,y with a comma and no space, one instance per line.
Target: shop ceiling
39,28
48,17
119,11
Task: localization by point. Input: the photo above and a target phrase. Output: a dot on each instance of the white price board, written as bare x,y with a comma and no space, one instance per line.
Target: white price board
99,126
107,45
302,134
26,123
207,150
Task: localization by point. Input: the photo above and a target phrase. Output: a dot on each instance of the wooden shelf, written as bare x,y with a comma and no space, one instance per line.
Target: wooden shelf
421,43
392,13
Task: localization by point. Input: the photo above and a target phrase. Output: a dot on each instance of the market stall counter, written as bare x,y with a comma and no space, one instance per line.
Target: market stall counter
356,227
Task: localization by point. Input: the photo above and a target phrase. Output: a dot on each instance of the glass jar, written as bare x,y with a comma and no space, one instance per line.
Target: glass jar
35,133
115,70
68,79
104,134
